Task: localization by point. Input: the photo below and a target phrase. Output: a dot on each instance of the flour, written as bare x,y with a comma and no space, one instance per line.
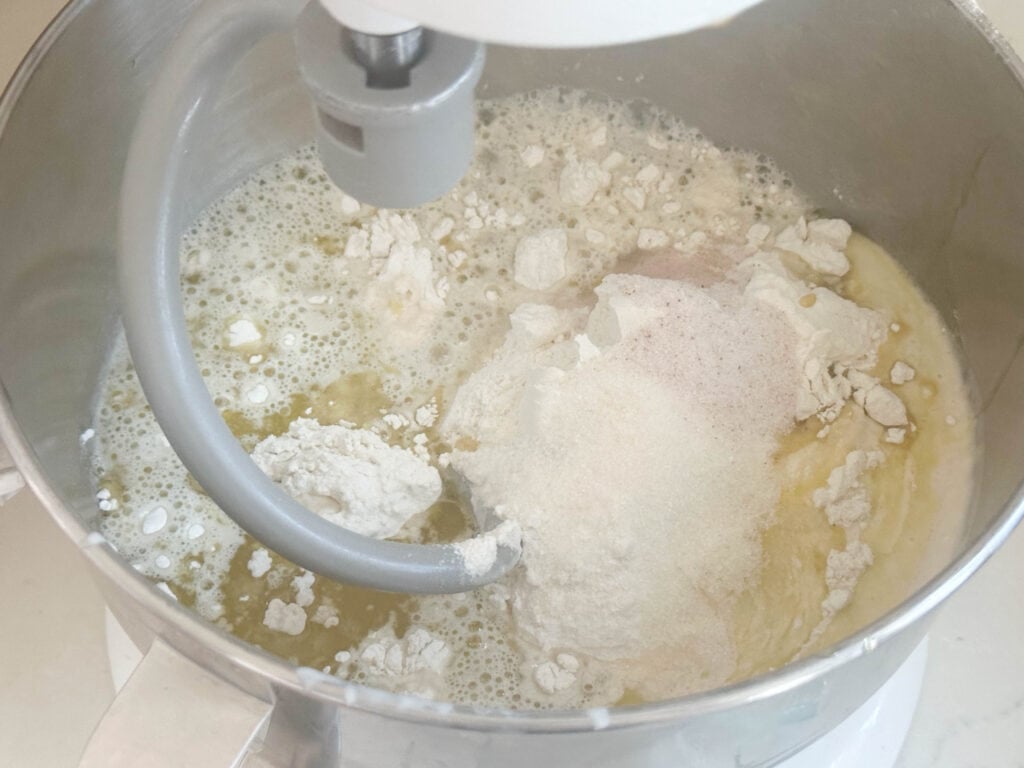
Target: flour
836,336
820,244
558,675
426,415
884,406
303,586
901,373
649,239
581,180
406,295
417,661
326,616
259,563
636,197
844,499
846,503
416,652
895,435
546,398
670,526
481,552
349,476
540,259
289,618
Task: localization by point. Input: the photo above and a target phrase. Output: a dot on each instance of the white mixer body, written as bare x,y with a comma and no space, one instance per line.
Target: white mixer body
540,23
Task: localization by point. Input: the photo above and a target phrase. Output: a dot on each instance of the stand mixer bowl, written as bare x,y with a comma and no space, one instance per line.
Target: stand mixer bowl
908,122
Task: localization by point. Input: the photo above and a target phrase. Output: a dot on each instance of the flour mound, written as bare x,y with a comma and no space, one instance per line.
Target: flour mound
349,476
417,661
665,403
838,340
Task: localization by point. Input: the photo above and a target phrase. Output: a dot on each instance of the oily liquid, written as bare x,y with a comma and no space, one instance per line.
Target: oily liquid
334,362
923,483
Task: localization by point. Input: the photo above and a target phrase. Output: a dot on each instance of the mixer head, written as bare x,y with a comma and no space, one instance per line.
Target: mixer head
394,108
394,101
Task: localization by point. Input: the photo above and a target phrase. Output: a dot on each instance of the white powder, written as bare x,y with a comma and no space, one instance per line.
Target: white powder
406,297
820,243
487,403
647,175
884,406
844,499
558,675
652,238
348,206
415,652
426,415
442,229
613,160
669,527
326,615
901,373
895,435
836,336
417,661
289,618
303,586
540,259
635,197
259,563
349,476
712,405
843,568
581,180
395,420
480,553
847,504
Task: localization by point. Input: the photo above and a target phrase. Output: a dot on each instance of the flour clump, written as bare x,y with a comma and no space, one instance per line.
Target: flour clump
350,477
540,259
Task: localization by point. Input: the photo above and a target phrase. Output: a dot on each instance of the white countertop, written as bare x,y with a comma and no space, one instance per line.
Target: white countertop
55,677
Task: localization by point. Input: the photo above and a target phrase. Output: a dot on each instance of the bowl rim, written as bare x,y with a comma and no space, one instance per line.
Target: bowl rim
192,630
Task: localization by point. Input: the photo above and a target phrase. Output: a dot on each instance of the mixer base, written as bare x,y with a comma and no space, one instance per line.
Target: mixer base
874,734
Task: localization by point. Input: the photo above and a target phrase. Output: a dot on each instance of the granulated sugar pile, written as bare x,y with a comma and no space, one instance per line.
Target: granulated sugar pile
641,354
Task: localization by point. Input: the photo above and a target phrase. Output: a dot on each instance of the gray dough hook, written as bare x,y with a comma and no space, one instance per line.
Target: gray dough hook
425,125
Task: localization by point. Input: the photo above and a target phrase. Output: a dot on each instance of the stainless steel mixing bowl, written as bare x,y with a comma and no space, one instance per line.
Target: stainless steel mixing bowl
905,118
